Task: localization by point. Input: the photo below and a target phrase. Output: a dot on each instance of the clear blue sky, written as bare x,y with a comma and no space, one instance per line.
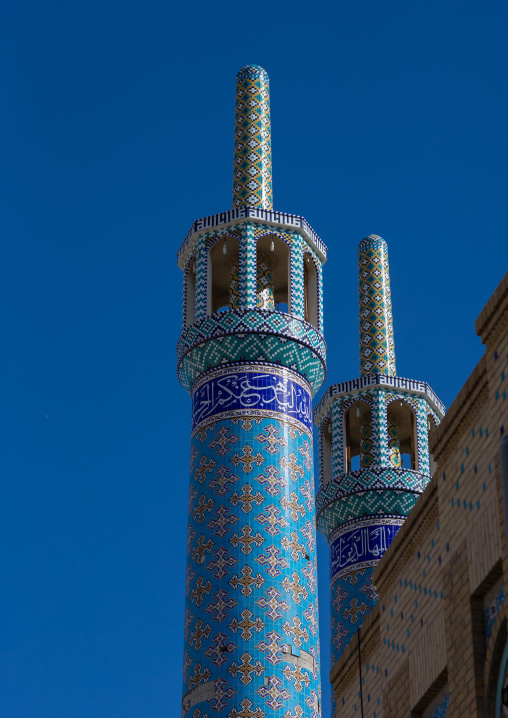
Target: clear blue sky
116,133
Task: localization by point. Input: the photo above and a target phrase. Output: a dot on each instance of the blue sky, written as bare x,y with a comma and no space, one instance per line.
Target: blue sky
116,133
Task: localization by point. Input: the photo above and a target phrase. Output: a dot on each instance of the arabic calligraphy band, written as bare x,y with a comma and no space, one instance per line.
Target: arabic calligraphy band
254,388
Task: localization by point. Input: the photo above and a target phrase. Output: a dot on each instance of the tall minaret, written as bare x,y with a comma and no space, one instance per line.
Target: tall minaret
251,355
374,453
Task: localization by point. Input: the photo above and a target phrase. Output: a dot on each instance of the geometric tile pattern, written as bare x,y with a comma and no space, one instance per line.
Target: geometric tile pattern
251,586
247,234
264,289
252,169
377,349
251,335
393,442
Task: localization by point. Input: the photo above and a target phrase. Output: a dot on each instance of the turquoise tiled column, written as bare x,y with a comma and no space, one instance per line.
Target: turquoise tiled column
359,512
251,612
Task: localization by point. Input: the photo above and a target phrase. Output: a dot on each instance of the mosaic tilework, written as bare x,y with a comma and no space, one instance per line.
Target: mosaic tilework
264,285
366,445
251,593
491,605
252,171
247,235
377,349
393,442
344,507
355,550
245,335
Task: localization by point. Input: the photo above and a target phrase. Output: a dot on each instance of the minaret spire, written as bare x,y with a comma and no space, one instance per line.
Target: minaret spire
252,169
377,348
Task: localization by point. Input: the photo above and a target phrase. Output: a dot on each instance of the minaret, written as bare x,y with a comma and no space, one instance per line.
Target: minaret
251,356
373,450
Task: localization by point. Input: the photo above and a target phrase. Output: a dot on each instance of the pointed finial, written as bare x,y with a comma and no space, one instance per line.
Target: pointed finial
252,169
377,348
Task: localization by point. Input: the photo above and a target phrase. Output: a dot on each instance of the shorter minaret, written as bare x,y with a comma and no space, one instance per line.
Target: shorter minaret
373,451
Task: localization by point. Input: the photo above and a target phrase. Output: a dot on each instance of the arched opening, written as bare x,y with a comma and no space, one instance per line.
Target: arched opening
401,435
431,427
326,448
190,296
273,277
310,290
359,445
223,285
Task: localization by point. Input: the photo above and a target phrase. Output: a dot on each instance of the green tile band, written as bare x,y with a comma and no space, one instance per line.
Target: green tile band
252,171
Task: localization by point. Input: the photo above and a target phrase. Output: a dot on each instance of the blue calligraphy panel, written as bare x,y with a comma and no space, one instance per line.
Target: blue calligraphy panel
364,543
250,390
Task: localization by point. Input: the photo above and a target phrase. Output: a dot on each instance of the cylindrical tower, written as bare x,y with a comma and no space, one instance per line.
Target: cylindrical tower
251,355
374,453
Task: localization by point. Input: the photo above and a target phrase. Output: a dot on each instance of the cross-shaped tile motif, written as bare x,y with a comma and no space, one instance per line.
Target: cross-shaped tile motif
187,663
299,678
339,635
271,440
275,606
201,631
247,580
310,614
222,521
306,453
272,646
246,624
246,422
199,590
295,469
246,498
203,547
313,703
222,478
309,533
273,562
273,520
275,694
221,695
355,609
193,456
310,574
204,504
294,546
224,440
246,711
247,540
272,480
188,579
369,589
220,564
204,468
295,588
220,649
299,634
202,433
189,617
199,676
247,459
217,607
308,494
292,505
245,668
